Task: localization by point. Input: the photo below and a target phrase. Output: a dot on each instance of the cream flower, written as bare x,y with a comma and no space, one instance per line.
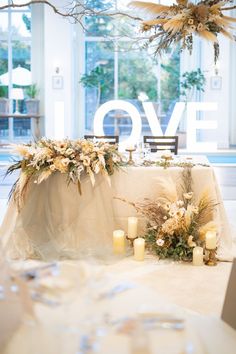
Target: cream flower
188,196
59,165
160,242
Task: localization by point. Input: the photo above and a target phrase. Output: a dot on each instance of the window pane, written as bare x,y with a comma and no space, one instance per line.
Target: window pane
21,54
137,83
99,25
99,78
3,25
170,72
21,24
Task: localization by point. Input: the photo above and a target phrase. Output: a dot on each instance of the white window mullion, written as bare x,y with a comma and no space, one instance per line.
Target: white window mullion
10,127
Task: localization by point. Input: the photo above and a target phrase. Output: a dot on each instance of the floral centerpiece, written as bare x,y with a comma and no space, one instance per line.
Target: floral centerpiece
73,158
179,22
176,222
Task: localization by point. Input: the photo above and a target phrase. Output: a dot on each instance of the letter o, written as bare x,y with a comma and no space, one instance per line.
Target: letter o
124,106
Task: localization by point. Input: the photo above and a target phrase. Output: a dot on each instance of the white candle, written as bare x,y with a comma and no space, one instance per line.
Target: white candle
118,242
139,248
132,227
198,256
211,240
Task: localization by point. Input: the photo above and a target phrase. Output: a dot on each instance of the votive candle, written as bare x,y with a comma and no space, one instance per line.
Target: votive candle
132,227
198,256
118,241
211,240
139,248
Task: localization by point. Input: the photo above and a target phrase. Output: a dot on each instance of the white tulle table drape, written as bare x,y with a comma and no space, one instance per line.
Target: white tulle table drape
57,222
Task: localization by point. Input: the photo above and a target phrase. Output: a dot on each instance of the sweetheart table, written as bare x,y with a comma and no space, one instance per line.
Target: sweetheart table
57,222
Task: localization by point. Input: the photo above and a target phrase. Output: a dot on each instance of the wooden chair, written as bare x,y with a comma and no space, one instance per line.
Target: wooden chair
158,143
111,139
229,309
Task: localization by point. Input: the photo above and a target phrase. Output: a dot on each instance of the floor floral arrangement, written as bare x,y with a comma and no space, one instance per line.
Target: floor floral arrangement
176,222
74,158
179,22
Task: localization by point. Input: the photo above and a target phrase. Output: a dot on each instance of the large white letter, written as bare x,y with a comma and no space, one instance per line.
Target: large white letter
152,118
124,106
175,119
193,124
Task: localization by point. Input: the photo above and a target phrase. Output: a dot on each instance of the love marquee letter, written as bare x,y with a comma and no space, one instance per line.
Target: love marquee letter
192,122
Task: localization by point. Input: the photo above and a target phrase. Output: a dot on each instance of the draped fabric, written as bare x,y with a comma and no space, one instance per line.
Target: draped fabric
57,222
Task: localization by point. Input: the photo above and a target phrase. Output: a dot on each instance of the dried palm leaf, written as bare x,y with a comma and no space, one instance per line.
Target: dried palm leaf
149,7
155,22
173,25
217,6
221,21
209,36
227,34
230,19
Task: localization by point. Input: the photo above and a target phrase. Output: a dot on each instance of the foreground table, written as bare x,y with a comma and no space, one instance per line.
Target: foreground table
57,222
90,308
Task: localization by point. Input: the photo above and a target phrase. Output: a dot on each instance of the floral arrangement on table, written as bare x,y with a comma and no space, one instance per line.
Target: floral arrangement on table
74,158
179,22
176,222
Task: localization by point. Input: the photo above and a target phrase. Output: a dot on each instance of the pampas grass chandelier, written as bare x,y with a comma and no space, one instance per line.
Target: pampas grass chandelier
180,22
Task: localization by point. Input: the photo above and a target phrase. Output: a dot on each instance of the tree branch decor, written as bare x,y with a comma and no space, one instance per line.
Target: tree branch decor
179,22
166,25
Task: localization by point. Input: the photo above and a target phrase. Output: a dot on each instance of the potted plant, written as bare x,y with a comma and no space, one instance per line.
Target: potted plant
191,82
4,101
32,102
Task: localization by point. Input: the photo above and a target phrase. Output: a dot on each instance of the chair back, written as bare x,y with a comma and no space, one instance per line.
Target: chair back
229,308
111,139
158,143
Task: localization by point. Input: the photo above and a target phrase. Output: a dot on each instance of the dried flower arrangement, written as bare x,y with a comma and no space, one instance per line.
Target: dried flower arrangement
179,22
74,158
175,222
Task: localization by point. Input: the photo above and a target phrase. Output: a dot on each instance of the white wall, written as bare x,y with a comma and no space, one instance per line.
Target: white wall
58,52
221,95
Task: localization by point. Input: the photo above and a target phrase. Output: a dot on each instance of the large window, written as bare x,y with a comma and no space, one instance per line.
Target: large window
15,49
115,70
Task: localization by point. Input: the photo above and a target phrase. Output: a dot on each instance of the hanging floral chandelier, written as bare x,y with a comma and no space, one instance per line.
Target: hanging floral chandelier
179,22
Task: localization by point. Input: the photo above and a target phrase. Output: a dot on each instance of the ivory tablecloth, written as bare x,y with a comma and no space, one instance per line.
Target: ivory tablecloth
57,222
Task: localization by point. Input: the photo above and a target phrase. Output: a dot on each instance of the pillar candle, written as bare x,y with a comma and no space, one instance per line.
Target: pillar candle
132,227
139,248
198,256
118,242
211,240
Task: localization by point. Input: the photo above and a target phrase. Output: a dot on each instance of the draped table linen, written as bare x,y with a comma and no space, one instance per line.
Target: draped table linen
57,222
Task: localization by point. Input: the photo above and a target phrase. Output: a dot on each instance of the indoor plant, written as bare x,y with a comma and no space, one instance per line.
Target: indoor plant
4,101
32,102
